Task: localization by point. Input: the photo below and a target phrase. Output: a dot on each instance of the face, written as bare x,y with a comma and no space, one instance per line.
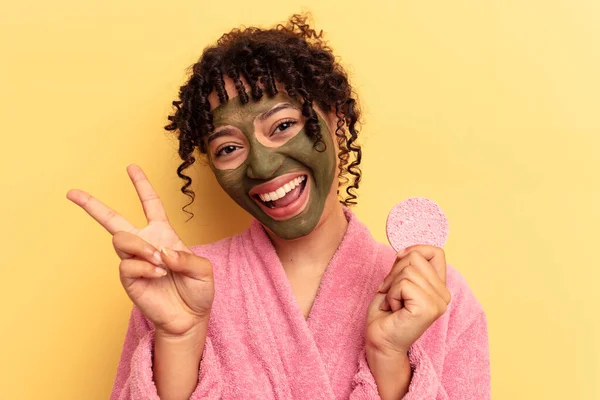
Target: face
265,161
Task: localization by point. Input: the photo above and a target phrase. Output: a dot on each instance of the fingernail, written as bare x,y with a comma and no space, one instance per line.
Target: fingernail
157,258
160,271
169,253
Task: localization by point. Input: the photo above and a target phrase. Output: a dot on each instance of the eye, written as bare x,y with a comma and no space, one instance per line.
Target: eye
283,126
226,150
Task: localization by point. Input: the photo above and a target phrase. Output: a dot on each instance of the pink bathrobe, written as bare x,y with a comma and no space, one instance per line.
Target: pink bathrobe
259,346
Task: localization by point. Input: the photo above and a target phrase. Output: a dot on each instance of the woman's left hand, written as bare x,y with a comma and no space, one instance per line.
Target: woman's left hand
410,299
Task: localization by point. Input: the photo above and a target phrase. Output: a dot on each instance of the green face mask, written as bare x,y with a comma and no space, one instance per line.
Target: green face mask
264,162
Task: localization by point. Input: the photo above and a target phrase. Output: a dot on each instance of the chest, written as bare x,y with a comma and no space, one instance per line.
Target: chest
305,290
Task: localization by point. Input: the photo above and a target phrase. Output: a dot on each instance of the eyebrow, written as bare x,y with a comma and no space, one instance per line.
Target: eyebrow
223,132
264,116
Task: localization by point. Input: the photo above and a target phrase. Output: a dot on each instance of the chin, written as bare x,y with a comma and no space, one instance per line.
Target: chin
293,229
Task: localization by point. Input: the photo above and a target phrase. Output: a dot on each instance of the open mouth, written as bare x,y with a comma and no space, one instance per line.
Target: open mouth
284,195
286,199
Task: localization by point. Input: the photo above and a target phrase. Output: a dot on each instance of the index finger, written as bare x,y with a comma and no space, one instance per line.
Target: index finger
153,208
111,220
434,255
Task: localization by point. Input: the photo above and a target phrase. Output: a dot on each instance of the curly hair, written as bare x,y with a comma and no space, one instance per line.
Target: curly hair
293,55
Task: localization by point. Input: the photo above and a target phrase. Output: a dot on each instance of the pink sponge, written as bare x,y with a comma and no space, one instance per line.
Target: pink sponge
416,220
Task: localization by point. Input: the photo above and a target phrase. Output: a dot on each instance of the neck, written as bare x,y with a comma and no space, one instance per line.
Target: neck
311,253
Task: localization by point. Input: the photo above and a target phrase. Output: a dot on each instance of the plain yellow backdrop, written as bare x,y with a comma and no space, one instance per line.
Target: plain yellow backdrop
490,108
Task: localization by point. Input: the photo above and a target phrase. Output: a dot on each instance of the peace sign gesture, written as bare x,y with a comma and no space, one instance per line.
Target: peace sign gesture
170,285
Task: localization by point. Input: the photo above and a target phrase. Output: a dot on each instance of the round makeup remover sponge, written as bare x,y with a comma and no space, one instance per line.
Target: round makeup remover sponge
416,220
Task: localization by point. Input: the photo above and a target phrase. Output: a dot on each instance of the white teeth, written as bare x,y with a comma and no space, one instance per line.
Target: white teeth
283,190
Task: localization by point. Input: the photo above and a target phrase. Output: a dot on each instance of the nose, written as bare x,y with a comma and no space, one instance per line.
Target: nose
263,163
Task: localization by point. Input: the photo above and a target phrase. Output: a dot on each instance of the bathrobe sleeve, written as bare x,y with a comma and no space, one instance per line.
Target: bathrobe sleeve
134,380
465,374
450,361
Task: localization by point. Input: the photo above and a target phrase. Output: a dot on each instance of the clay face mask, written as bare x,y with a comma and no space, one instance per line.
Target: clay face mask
265,161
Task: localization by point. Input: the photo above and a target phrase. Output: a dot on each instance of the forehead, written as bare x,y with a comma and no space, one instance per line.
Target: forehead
235,112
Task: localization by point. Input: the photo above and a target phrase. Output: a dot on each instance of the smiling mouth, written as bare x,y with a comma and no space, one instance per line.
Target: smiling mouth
284,195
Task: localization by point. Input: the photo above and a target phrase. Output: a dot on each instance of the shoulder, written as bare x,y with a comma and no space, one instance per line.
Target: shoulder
463,302
463,312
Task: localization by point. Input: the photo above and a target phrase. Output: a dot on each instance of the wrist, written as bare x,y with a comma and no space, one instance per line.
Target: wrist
394,358
188,346
385,350
391,370
196,331
176,361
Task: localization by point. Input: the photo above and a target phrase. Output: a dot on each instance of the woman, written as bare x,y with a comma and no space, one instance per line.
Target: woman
304,304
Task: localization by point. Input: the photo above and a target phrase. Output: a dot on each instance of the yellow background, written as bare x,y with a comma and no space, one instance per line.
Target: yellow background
491,108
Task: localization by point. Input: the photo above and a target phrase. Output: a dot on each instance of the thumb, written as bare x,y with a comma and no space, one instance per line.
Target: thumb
187,263
375,312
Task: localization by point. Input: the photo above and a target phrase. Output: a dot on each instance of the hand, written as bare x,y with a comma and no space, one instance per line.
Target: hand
410,299
176,298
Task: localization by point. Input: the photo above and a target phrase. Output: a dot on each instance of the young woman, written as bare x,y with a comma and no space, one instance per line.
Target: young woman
305,304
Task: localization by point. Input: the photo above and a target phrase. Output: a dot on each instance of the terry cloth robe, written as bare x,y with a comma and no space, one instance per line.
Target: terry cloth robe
260,346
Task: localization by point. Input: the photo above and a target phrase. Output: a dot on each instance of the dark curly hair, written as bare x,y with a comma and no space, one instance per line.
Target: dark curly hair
293,55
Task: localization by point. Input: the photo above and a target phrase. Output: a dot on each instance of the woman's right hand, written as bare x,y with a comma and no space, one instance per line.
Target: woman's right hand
177,299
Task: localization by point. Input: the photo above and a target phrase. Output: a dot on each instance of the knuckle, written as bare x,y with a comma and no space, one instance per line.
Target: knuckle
440,307
434,312
151,196
407,271
403,284
439,252
443,308
395,270
448,296
109,215
123,265
396,286
414,256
